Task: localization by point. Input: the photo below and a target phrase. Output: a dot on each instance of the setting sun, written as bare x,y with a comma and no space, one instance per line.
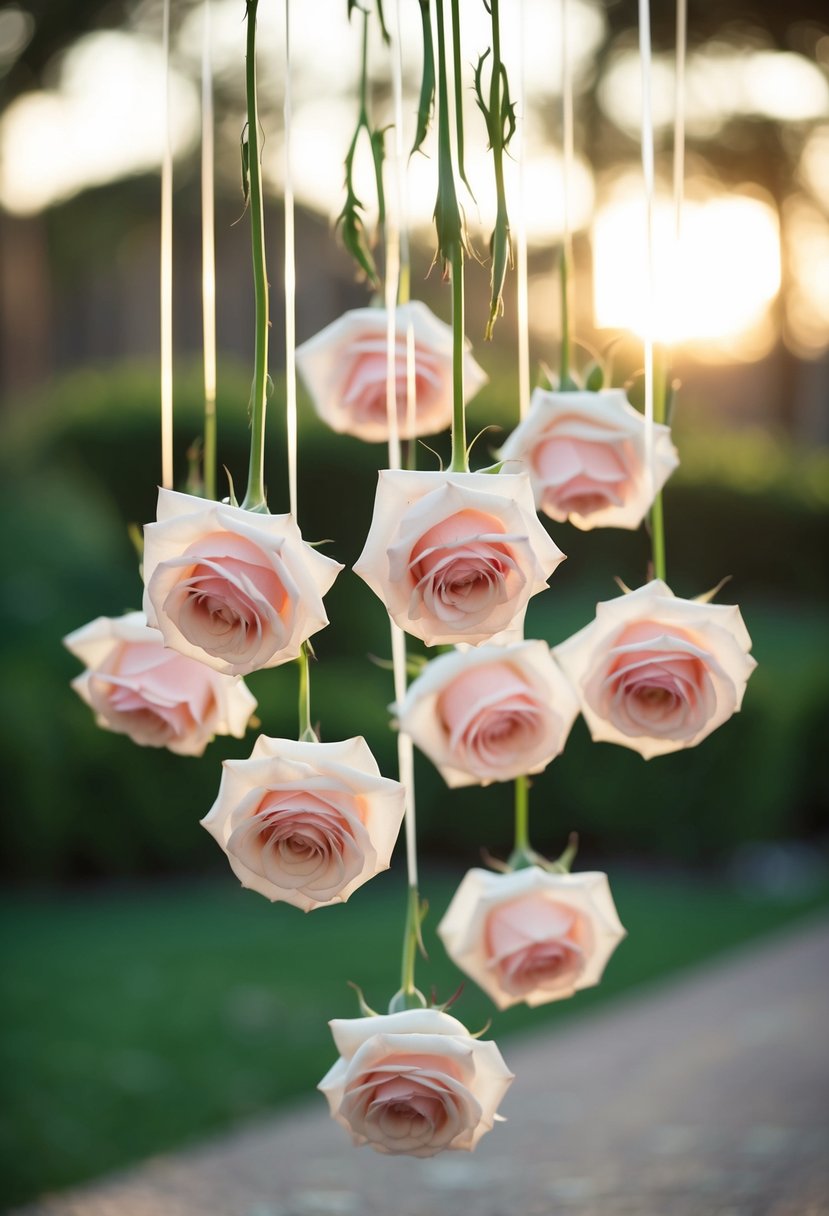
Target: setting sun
714,287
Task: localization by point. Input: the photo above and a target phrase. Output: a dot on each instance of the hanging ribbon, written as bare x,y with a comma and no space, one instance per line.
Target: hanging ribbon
289,274
522,286
648,179
166,275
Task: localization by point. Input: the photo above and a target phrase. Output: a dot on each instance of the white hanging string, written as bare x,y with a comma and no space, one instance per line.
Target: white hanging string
166,268
679,135
289,273
208,247
648,179
397,249
522,287
567,148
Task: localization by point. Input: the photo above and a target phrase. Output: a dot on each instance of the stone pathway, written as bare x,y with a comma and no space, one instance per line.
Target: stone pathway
705,1097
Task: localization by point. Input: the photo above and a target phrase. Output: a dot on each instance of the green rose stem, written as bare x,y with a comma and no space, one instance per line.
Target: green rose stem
208,265
522,854
566,381
255,497
662,374
397,278
656,518
350,220
500,123
307,734
451,243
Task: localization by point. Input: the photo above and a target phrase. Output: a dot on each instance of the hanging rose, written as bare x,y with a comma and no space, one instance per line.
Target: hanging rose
306,823
585,454
137,687
531,936
490,714
414,1083
455,557
344,368
236,589
657,673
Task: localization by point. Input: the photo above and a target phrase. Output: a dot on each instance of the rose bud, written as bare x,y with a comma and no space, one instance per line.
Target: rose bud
531,936
585,454
455,557
306,823
137,687
344,368
656,673
490,714
235,589
414,1082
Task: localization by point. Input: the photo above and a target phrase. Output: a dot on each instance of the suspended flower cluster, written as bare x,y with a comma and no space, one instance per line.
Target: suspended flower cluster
454,556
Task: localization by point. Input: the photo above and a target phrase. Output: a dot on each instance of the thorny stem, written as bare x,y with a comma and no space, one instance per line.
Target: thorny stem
449,225
255,497
460,457
501,235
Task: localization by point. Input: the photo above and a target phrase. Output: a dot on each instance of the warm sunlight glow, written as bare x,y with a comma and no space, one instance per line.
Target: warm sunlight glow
716,287
103,121
807,303
723,82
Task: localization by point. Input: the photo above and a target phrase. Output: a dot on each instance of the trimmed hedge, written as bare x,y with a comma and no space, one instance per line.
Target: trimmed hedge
80,464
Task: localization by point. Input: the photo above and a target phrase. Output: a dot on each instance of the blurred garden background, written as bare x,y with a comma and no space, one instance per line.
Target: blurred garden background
146,999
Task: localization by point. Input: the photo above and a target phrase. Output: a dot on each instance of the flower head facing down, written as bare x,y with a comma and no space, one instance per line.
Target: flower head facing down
138,687
306,823
656,673
344,368
234,589
455,557
531,936
490,714
414,1083
585,454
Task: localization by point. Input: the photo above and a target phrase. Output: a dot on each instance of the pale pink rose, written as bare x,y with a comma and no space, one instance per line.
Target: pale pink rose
344,368
235,589
414,1083
138,687
455,557
531,936
585,454
656,673
306,823
490,714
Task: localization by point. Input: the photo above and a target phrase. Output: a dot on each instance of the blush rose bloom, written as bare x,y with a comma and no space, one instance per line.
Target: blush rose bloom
306,823
657,673
455,557
414,1082
585,454
137,687
531,936
344,368
490,714
234,589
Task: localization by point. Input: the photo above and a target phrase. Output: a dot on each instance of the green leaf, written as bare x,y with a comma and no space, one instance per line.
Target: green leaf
378,156
594,377
426,100
245,154
355,239
381,18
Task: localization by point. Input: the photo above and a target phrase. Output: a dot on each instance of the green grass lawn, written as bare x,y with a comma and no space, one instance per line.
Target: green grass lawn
139,1020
